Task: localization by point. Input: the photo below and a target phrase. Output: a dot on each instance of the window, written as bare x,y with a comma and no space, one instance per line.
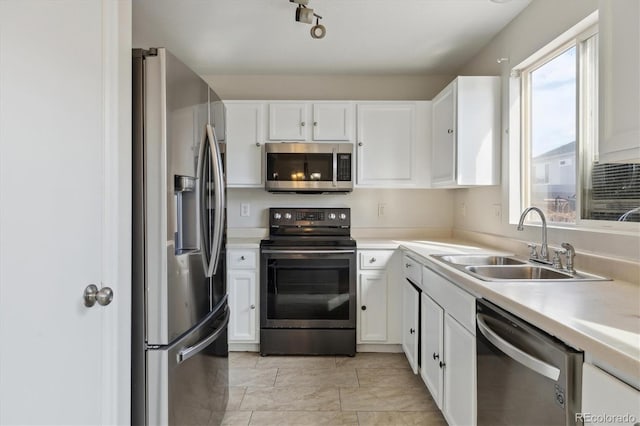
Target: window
557,116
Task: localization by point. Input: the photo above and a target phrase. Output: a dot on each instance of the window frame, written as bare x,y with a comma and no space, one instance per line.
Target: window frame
519,125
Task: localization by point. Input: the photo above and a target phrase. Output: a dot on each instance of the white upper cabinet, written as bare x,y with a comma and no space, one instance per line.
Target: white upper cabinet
306,121
244,143
393,140
619,64
466,133
288,121
333,121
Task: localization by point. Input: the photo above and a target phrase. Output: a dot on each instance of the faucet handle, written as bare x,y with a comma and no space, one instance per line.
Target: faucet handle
557,261
533,251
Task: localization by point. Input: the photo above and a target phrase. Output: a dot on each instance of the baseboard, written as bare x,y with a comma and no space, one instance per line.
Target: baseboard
379,348
244,347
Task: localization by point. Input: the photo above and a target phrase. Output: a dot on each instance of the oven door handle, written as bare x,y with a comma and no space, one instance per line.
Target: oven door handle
308,251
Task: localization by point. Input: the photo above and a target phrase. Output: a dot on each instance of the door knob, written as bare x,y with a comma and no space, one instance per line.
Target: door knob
104,296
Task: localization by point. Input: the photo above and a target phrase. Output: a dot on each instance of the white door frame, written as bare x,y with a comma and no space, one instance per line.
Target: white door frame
116,328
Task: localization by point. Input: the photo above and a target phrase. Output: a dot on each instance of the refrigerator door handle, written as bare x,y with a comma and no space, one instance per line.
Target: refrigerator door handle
191,351
202,204
218,226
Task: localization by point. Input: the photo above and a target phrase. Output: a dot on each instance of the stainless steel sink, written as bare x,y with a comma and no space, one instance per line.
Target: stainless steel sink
510,273
509,268
479,259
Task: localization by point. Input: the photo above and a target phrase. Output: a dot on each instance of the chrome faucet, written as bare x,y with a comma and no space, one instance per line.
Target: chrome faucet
570,252
544,250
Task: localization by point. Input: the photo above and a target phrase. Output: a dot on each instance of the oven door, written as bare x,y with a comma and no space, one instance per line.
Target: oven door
308,288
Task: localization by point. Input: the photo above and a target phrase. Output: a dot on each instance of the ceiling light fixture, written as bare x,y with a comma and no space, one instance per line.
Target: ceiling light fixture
305,15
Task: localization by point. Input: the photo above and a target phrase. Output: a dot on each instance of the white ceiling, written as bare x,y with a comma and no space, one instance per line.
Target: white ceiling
363,36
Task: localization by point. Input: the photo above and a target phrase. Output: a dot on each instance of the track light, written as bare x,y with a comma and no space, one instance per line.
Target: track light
305,15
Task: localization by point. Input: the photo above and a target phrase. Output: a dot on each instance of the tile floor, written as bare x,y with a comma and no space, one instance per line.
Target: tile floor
368,389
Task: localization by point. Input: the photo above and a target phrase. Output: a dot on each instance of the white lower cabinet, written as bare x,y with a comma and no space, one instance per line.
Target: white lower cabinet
242,285
448,348
431,329
372,291
607,400
378,298
459,398
410,323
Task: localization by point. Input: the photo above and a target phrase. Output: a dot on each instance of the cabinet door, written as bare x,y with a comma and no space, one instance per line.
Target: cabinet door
443,159
288,121
243,304
332,121
410,315
386,144
459,398
372,293
244,144
619,67
431,346
603,393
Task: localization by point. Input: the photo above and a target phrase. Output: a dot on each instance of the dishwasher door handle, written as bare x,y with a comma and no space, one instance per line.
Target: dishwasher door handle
516,354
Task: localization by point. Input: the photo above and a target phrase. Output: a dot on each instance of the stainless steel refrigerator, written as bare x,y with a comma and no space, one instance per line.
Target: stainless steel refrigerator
180,312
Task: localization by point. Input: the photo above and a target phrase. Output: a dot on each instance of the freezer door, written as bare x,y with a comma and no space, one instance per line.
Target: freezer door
176,112
187,383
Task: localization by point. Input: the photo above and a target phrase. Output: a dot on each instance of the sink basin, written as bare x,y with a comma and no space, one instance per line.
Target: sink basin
517,273
526,273
480,259
489,267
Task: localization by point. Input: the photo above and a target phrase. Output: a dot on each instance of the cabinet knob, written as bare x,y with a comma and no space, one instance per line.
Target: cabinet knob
363,307
372,260
241,257
449,131
258,144
302,124
315,123
442,364
360,144
436,356
253,306
407,265
412,330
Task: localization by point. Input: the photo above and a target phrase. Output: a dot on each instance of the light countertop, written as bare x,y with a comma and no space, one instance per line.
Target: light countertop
601,318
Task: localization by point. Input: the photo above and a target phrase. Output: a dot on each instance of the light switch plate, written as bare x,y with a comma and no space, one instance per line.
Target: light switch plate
245,209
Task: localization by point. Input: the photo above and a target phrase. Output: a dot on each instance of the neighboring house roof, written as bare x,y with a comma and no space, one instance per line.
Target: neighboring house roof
563,149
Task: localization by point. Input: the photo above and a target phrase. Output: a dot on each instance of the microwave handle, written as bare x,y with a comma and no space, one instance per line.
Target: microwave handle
335,167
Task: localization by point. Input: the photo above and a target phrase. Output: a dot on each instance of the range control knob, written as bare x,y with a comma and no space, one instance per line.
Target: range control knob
277,216
343,216
332,216
287,216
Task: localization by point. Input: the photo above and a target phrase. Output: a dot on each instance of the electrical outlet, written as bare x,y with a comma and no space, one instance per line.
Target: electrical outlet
381,208
245,209
497,211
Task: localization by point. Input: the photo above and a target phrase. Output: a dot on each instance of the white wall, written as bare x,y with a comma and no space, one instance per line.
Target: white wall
536,26
328,87
404,208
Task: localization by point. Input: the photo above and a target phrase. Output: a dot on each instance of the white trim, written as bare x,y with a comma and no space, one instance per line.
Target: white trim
116,262
562,39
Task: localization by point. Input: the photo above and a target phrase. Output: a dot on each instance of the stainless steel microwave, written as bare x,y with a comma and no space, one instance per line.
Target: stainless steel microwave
309,167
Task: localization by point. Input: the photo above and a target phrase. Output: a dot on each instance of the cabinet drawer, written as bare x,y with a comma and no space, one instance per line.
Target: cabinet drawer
412,269
374,259
242,259
454,300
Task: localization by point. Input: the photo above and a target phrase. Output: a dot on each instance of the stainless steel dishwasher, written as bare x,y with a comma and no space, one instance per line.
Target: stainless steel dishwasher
525,376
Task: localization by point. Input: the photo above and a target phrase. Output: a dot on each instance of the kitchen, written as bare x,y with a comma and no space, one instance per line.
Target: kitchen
483,216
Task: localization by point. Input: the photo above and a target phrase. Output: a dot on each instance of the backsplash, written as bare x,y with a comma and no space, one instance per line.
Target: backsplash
370,208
